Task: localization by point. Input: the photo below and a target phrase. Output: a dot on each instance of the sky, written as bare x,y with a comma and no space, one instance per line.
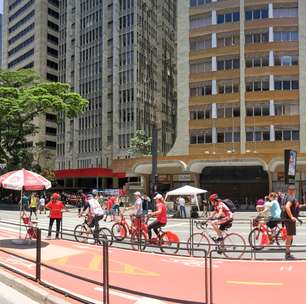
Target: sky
1,6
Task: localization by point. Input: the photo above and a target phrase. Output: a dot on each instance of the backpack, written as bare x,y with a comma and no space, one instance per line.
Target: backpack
230,205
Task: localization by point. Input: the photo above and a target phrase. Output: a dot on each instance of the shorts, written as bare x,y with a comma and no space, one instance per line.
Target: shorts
272,223
291,227
224,223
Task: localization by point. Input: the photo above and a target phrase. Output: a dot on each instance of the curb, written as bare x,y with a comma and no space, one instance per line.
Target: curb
34,292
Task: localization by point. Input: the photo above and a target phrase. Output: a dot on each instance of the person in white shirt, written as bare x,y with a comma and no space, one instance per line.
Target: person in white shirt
95,211
42,203
181,202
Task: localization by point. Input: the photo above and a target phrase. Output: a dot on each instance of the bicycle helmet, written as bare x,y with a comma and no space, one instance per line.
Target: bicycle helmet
213,197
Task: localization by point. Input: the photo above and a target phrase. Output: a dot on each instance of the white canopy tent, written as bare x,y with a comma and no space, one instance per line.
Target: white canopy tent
187,191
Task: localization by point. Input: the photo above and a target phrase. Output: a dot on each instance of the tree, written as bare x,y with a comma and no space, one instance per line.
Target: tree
141,144
23,97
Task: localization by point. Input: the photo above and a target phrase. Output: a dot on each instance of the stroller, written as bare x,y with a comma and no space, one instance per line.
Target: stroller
30,225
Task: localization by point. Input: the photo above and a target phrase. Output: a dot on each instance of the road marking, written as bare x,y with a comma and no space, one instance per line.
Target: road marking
61,261
250,283
95,262
134,270
285,268
148,301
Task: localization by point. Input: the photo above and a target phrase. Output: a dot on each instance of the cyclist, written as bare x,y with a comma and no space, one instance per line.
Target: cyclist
96,213
272,208
221,217
160,214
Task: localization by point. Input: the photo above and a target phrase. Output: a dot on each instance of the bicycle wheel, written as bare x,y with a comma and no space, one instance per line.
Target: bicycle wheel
169,244
200,243
138,240
233,246
255,237
105,234
119,232
80,234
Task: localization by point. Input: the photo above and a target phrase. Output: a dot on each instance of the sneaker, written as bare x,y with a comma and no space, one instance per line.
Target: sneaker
289,256
219,239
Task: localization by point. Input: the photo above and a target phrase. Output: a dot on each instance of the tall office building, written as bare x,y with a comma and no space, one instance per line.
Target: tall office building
241,79
121,56
30,40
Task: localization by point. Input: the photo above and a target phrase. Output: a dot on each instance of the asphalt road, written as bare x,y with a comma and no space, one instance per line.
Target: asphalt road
180,226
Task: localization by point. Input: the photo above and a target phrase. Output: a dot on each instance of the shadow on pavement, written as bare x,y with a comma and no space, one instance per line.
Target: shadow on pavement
28,244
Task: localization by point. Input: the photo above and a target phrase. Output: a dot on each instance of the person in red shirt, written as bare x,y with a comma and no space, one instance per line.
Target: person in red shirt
160,214
221,217
109,205
56,208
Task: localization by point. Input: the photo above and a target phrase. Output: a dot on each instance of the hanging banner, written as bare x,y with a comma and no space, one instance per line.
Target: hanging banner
290,158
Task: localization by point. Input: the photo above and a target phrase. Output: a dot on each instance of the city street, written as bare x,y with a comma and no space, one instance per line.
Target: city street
153,274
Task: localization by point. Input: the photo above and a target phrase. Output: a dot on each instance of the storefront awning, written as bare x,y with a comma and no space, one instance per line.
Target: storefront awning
88,172
163,167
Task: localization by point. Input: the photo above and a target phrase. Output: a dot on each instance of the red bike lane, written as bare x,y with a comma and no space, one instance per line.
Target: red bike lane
181,278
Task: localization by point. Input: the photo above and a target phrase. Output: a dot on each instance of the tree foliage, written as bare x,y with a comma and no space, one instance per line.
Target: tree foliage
24,98
140,144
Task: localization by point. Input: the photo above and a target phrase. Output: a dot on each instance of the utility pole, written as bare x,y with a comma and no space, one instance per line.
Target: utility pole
154,176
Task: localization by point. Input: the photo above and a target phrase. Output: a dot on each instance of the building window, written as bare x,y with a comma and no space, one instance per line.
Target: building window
201,114
256,14
258,134
200,67
228,110
54,2
21,10
200,21
194,3
14,4
200,44
50,131
227,40
285,12
286,84
257,37
257,85
21,46
286,133
286,59
21,58
21,34
257,61
286,36
228,17
22,21
228,135
50,144
28,66
259,109
228,64
52,39
52,52
51,77
52,64
53,26
228,86
201,137
51,117
286,109
202,89
53,13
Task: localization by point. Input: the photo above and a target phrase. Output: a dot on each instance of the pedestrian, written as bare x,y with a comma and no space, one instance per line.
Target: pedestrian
182,205
42,204
145,204
33,205
56,208
116,209
109,208
290,216
24,202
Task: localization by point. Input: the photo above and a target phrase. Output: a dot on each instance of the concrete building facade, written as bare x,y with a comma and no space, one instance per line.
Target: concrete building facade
30,40
121,56
241,81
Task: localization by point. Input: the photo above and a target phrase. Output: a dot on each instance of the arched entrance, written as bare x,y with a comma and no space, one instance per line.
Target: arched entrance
244,184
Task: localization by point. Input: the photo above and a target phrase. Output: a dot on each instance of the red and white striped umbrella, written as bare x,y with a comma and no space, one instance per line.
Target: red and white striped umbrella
24,180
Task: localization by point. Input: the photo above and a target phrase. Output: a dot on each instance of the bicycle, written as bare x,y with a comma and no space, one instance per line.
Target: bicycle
167,241
122,229
276,235
85,234
232,245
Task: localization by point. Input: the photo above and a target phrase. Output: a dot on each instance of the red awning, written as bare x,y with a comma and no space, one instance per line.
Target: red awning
88,172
